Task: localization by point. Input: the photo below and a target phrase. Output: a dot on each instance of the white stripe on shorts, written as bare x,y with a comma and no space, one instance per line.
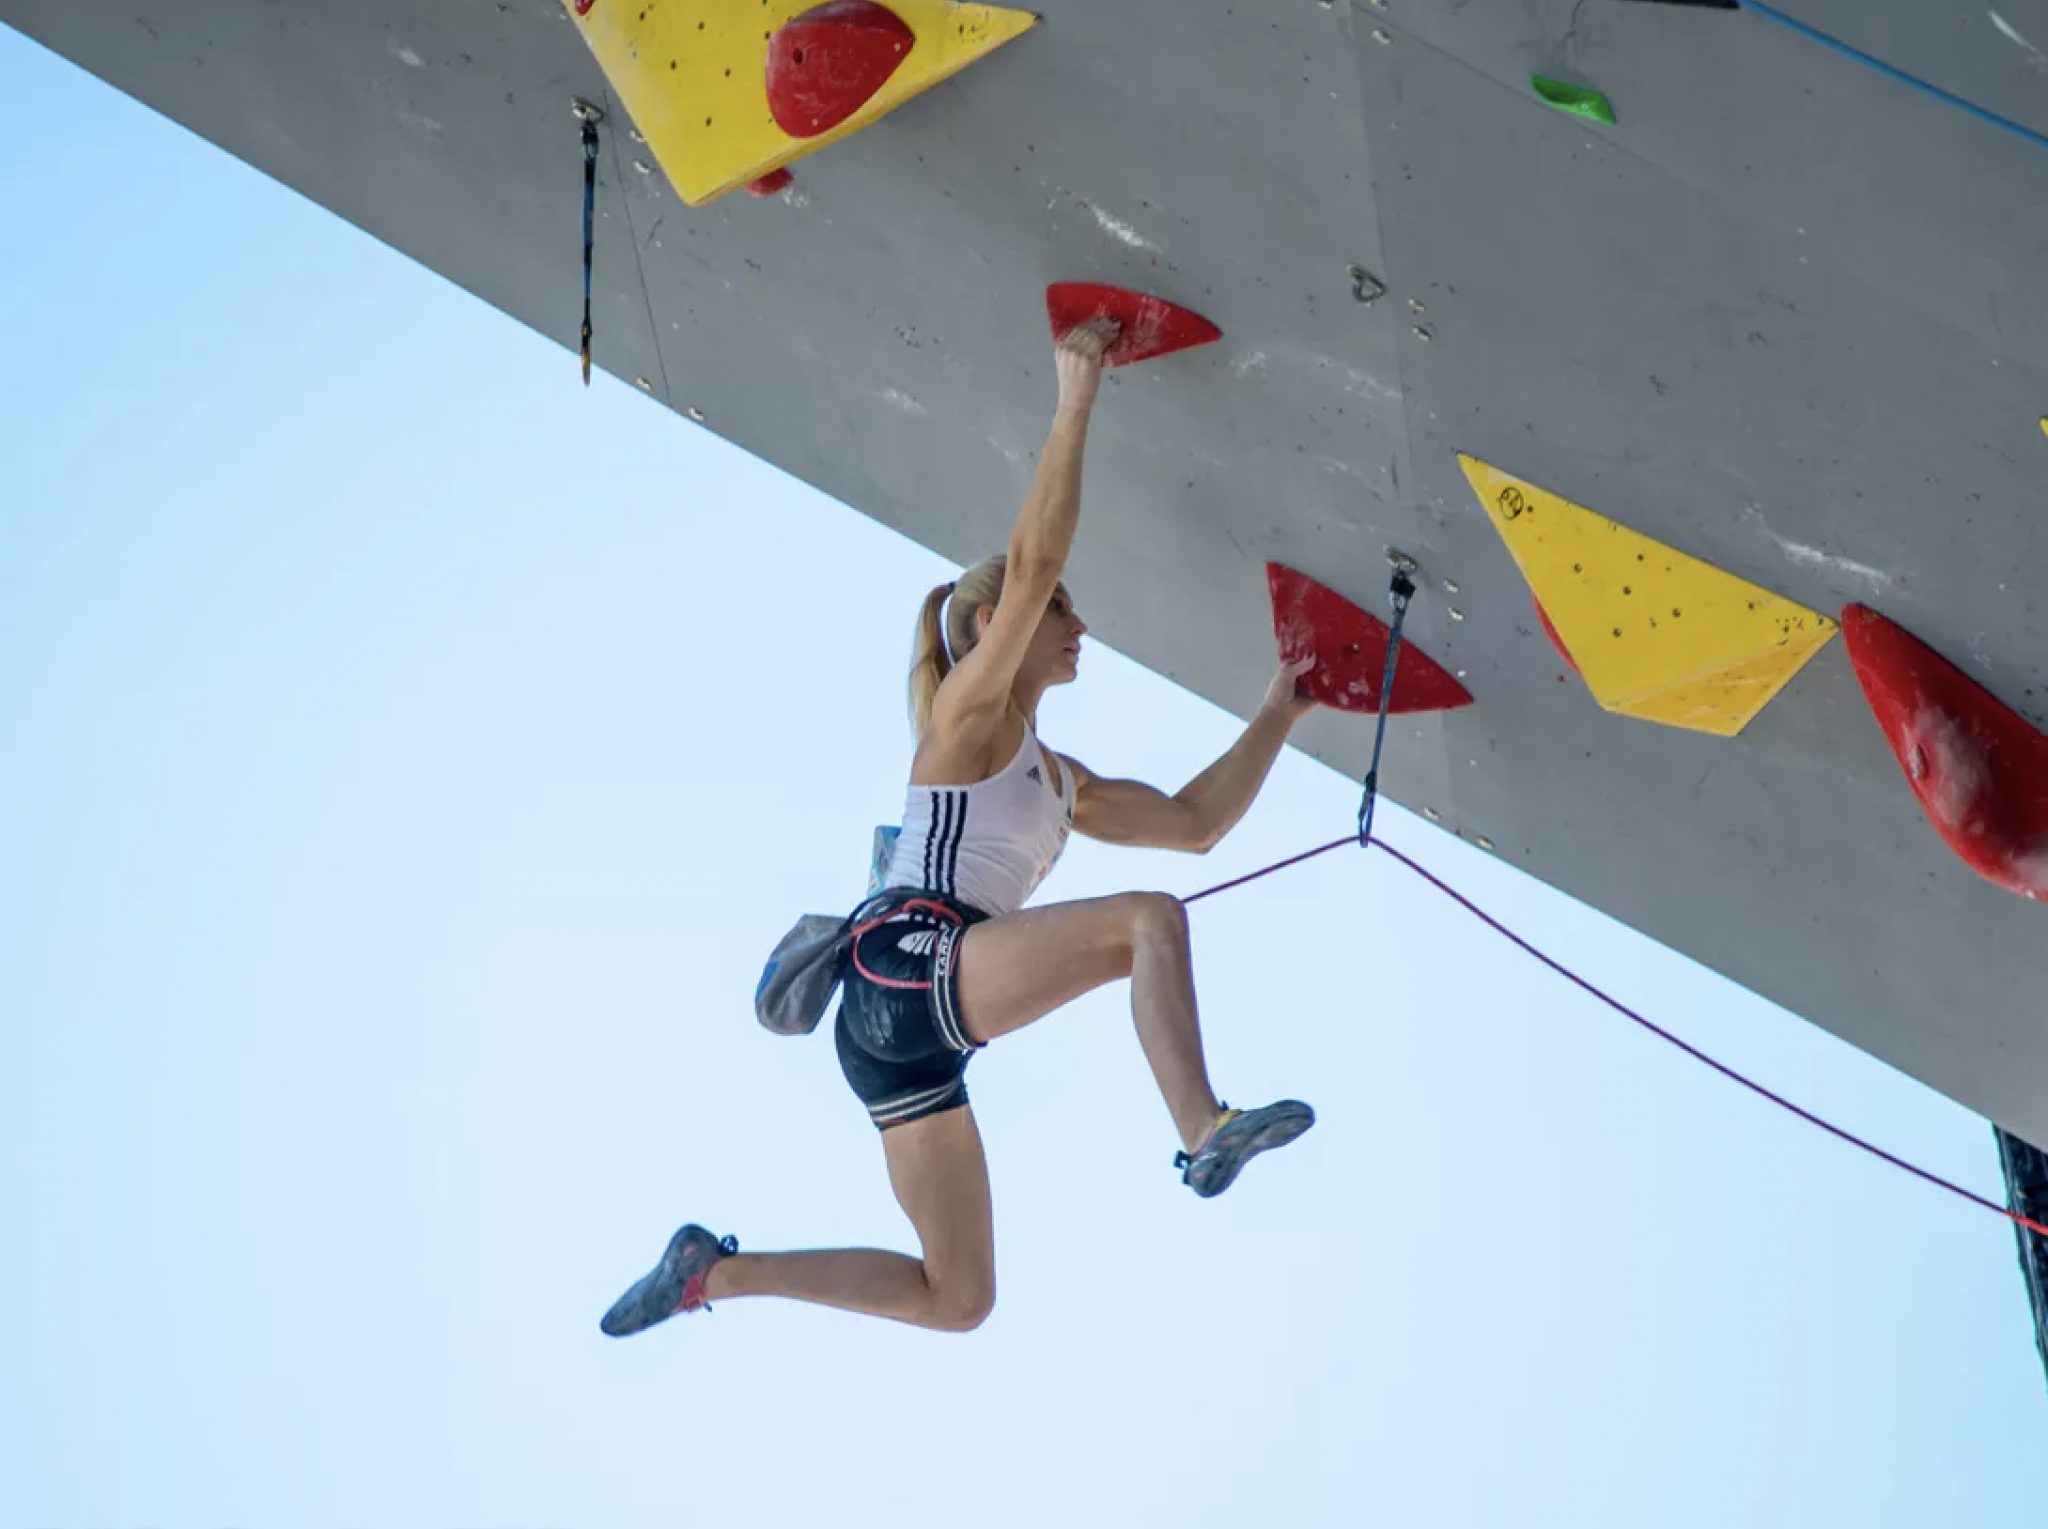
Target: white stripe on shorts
907,1104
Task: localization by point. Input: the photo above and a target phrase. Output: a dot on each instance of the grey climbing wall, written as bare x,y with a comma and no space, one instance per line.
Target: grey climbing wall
1779,315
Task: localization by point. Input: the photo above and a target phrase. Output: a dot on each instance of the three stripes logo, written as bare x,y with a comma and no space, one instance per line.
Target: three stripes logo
942,841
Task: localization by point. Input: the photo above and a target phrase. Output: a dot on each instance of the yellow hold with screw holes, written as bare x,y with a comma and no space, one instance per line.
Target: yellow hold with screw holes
691,73
1654,633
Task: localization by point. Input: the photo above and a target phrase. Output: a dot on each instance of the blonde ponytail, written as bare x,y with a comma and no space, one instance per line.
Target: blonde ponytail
945,636
929,664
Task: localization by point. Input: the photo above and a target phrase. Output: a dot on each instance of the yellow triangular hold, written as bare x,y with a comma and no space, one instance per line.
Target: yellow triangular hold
1654,633
692,74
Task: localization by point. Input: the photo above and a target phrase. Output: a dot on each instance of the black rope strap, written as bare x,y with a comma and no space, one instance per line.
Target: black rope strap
1401,590
590,116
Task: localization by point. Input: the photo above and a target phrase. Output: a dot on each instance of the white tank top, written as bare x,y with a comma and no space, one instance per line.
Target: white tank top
989,844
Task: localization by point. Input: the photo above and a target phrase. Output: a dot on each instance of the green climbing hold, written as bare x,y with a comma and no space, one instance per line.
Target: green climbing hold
1579,100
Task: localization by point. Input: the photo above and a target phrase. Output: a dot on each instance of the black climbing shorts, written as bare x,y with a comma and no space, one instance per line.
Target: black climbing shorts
901,1042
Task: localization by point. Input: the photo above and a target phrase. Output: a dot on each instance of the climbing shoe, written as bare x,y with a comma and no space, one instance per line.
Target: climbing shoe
1236,1138
675,1284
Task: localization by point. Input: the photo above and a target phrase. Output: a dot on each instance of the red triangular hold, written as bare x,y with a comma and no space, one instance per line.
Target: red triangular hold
1151,325
1979,768
1350,649
826,64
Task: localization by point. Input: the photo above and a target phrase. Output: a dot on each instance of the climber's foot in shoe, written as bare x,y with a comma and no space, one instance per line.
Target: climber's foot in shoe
1238,1137
675,1284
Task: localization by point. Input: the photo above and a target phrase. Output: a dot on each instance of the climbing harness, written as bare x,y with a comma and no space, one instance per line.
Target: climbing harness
589,116
1401,590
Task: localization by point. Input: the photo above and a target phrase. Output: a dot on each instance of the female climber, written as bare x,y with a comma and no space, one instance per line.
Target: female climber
946,958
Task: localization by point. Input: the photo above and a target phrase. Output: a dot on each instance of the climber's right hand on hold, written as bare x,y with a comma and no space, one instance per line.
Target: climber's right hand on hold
1077,360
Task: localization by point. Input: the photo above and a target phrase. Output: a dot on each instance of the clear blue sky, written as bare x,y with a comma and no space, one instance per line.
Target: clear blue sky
410,757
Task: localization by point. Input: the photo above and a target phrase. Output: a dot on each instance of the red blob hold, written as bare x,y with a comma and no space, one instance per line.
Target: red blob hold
1151,325
1979,769
1556,641
826,64
771,183
1350,650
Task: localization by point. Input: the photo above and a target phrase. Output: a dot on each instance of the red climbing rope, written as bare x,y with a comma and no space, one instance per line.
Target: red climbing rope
1626,1012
